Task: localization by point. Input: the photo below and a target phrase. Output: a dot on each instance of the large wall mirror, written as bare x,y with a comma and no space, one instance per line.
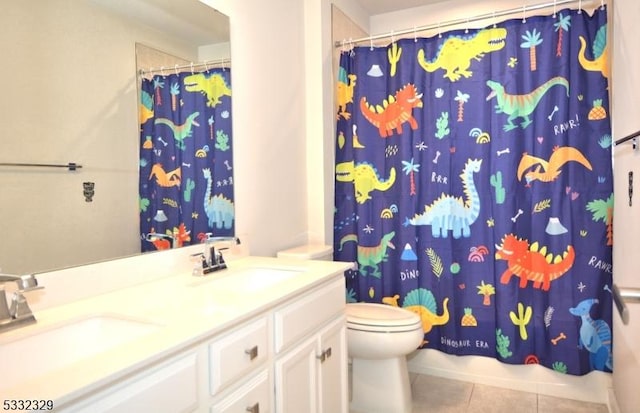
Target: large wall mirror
70,95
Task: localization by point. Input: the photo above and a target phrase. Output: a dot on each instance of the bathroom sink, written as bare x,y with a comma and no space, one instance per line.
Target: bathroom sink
45,351
248,280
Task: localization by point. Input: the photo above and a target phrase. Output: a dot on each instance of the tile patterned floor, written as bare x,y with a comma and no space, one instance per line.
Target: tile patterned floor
439,395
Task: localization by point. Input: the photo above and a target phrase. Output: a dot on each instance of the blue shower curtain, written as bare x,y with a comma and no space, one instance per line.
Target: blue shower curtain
186,159
474,187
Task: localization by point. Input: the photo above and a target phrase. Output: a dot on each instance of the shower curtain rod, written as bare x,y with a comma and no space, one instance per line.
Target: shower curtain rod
493,15
224,63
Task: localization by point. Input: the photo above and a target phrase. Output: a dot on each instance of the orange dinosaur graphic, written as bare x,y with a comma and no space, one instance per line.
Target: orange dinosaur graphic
394,111
547,171
166,179
532,263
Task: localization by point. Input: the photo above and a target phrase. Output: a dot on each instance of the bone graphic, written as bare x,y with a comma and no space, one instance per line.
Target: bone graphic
188,165
502,152
163,142
560,337
435,160
606,288
517,215
226,163
555,109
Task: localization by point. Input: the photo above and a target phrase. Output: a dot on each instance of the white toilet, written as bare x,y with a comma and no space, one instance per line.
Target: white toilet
379,337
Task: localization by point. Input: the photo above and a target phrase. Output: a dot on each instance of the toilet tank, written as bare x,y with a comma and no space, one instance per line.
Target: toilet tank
308,252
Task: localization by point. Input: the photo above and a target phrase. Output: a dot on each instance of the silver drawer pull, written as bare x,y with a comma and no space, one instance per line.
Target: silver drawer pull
252,353
324,355
254,409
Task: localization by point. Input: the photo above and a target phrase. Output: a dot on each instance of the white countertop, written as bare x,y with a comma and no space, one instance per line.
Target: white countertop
186,310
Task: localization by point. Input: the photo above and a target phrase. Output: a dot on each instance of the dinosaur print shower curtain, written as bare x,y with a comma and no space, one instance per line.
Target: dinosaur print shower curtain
473,186
186,180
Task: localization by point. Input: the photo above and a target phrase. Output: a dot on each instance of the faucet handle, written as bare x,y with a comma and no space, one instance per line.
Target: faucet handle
19,306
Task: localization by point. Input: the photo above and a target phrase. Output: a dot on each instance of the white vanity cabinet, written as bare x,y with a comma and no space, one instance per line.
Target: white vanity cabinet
311,354
288,355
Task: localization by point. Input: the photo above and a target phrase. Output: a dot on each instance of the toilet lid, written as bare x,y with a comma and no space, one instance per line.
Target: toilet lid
379,317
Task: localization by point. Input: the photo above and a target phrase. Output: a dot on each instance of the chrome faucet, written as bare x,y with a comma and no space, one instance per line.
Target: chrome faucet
212,258
19,313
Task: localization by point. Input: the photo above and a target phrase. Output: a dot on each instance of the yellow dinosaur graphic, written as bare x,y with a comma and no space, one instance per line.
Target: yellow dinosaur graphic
600,51
547,171
344,95
456,53
422,302
364,177
213,86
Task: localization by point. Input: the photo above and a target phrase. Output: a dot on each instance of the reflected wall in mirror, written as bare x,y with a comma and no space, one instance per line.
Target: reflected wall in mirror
70,95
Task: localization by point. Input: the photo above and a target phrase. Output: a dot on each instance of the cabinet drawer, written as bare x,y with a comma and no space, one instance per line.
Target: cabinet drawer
253,397
237,353
168,388
305,315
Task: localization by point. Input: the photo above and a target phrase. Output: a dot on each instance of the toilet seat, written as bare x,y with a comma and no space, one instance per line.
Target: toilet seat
381,318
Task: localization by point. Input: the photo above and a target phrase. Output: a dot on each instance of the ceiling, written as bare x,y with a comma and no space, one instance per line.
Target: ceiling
374,7
190,19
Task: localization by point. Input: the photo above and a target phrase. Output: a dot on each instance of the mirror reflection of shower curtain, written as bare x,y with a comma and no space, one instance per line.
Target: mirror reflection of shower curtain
474,187
186,159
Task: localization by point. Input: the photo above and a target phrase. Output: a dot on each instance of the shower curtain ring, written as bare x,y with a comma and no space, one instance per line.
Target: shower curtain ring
162,71
554,8
175,68
206,67
524,14
439,31
494,20
191,67
580,7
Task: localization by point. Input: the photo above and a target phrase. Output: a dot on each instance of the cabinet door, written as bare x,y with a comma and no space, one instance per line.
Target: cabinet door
333,369
296,379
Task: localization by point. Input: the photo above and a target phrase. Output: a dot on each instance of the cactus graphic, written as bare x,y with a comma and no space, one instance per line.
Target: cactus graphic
502,344
394,56
496,182
443,125
188,189
522,319
222,141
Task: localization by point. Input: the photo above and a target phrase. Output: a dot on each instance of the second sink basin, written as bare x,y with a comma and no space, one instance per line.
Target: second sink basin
42,352
249,280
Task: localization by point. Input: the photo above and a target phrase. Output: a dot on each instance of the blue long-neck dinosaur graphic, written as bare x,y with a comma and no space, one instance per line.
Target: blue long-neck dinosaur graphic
449,213
521,106
595,336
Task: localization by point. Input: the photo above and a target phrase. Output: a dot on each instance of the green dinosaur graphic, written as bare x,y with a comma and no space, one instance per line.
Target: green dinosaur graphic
521,105
214,87
180,132
457,52
371,256
364,177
